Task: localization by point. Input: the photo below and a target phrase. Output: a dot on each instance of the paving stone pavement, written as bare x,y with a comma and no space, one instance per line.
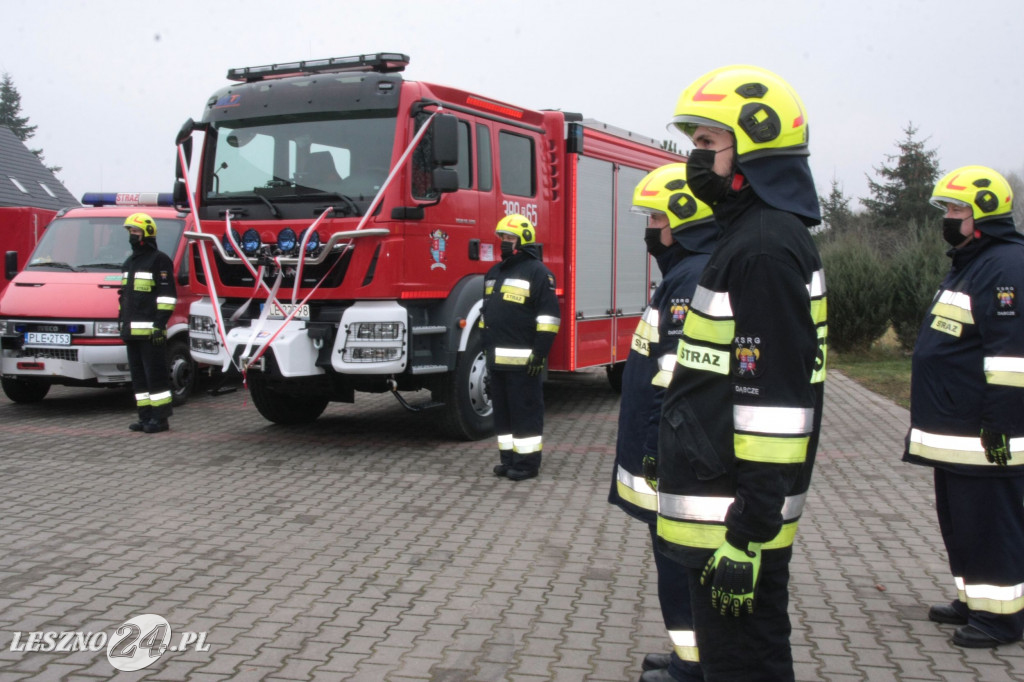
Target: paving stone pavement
367,547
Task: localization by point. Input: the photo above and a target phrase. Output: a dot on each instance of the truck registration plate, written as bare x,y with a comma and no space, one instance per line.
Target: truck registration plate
47,338
279,312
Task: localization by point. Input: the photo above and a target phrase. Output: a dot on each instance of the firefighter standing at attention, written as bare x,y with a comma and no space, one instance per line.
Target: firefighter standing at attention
147,297
967,407
680,236
520,318
741,417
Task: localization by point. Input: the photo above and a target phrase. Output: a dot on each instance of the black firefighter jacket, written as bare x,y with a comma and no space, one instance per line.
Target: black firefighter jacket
147,294
741,417
968,363
520,314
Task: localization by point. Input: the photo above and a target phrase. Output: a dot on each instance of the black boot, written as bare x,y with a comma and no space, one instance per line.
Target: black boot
137,426
156,426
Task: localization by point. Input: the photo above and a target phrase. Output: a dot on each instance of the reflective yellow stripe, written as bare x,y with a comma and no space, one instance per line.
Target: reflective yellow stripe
712,536
819,310
646,331
991,598
548,323
701,328
634,489
958,449
142,399
818,375
770,450
955,306
1005,371
505,441
511,356
666,365
161,398
684,643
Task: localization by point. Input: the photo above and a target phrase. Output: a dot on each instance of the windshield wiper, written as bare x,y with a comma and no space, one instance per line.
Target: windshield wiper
115,266
273,209
350,204
55,264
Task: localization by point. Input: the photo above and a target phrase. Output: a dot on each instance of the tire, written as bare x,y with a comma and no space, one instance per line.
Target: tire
183,371
468,413
615,376
284,408
24,390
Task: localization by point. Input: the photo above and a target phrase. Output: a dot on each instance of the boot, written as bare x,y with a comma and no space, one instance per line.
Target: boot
156,426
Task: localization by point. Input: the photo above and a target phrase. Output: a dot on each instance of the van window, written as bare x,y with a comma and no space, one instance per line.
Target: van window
485,178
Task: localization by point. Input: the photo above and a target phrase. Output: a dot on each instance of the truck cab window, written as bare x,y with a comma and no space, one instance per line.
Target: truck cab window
421,163
485,171
517,165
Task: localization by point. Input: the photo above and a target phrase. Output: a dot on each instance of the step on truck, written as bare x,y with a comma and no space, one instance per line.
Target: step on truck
58,315
345,219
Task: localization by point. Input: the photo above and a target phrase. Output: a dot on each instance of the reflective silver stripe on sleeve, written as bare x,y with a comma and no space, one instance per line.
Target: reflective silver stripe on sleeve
513,352
957,299
714,509
711,303
816,287
166,300
517,283
784,421
635,483
651,316
141,325
143,275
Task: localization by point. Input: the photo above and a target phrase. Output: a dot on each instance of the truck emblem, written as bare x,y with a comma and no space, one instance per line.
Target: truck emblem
438,243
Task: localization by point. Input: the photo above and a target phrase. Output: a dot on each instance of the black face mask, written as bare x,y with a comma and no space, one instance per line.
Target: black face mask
951,231
508,249
705,184
652,237
136,241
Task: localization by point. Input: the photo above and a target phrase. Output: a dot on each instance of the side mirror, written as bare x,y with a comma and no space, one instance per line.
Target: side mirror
180,195
445,179
446,140
10,264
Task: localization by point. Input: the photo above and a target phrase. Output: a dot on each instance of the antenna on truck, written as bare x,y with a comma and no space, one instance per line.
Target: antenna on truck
381,62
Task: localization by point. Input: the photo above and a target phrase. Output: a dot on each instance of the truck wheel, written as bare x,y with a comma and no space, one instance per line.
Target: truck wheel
284,408
24,390
183,372
468,413
615,376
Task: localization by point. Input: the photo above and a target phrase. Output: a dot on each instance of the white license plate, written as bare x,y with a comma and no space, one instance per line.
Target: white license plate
279,312
48,338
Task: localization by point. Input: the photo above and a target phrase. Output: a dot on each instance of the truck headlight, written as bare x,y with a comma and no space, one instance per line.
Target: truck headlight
201,324
376,331
107,329
3,327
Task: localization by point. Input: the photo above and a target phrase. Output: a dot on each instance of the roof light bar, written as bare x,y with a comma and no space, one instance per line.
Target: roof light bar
128,199
381,62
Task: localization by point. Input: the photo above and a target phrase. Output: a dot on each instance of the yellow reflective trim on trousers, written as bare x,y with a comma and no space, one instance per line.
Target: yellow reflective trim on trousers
818,375
712,536
684,643
770,450
157,399
704,329
998,599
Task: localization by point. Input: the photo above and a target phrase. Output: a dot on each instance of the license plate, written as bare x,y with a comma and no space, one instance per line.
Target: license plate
279,312
47,338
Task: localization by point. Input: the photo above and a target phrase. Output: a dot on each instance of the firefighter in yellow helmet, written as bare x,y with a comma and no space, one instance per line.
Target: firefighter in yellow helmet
520,318
967,407
681,233
147,299
741,417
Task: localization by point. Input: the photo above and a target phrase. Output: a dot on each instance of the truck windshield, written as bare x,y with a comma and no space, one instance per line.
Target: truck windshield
95,243
292,159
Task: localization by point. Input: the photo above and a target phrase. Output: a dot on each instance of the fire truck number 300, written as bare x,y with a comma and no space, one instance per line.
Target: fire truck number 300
529,211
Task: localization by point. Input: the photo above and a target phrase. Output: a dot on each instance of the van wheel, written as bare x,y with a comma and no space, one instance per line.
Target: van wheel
183,372
468,413
24,390
284,408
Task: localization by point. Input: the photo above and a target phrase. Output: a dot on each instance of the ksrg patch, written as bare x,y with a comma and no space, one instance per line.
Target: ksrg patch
747,350
1006,301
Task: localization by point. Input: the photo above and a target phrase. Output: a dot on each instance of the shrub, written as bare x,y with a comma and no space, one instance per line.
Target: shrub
858,293
916,269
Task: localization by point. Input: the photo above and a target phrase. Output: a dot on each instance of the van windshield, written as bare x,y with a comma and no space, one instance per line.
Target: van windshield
96,244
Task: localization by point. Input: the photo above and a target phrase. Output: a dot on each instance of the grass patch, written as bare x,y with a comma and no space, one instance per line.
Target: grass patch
884,369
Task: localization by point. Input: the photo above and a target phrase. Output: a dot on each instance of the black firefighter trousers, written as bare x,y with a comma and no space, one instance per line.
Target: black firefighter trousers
518,401
151,379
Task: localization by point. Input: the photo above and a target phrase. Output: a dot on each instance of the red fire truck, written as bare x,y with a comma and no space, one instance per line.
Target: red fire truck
366,204
58,316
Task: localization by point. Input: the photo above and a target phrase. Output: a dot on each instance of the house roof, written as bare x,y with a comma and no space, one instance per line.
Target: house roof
24,180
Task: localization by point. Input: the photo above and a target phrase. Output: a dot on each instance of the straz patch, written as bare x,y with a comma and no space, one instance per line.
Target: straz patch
747,350
947,326
1006,301
513,298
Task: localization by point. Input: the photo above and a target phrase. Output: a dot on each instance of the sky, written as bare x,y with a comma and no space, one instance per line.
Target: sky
109,82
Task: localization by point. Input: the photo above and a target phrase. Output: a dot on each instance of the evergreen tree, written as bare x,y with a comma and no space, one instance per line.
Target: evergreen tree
10,116
835,209
906,183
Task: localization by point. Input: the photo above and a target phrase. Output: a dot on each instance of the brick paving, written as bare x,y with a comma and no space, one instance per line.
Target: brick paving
366,547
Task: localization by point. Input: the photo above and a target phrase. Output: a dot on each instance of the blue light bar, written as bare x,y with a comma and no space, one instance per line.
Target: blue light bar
128,199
